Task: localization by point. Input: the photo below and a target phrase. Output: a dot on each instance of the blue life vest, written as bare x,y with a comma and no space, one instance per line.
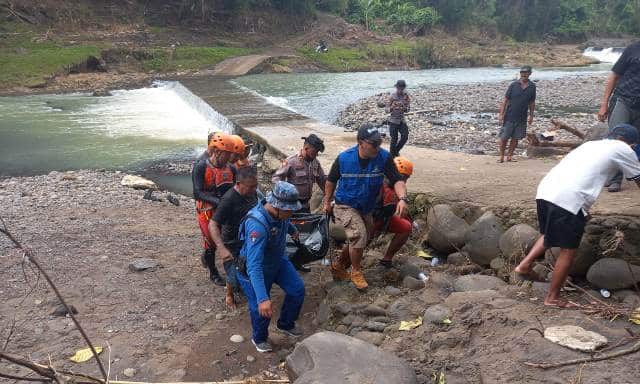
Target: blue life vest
359,187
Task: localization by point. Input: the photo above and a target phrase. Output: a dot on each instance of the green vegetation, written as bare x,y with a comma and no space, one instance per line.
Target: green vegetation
522,19
339,59
166,59
27,62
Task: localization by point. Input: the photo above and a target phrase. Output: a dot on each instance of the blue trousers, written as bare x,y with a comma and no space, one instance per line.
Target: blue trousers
287,278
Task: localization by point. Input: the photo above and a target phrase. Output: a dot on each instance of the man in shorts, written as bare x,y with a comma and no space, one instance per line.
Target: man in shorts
520,97
357,176
568,191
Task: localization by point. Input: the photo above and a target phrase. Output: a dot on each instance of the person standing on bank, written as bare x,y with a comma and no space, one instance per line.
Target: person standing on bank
520,97
567,192
357,176
621,101
397,105
303,170
263,261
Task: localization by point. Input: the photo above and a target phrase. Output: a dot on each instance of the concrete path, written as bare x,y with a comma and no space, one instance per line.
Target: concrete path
238,66
452,176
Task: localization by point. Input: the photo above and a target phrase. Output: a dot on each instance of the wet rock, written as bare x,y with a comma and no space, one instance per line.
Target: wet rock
457,258
374,310
516,242
482,239
575,337
375,326
412,283
137,182
436,314
612,273
143,264
446,231
237,339
329,357
61,310
392,291
477,283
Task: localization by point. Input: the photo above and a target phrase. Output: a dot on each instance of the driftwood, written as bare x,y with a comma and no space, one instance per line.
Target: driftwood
561,125
534,141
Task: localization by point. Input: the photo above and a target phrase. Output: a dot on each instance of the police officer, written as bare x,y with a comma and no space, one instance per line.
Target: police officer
303,170
263,261
357,177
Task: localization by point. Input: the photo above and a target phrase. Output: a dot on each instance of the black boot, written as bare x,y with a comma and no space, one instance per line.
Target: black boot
208,258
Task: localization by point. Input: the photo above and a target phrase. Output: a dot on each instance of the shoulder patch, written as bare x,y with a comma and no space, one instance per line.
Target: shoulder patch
254,235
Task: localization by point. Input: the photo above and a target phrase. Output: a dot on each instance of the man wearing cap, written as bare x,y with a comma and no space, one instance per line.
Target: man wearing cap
567,192
303,170
621,100
520,97
356,177
263,261
397,105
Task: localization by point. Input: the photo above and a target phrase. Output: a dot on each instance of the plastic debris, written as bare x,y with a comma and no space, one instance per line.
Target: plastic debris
435,261
446,321
83,355
604,293
409,325
423,254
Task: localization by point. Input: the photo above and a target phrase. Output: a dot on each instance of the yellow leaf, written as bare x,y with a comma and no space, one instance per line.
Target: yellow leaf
446,321
83,355
423,254
409,325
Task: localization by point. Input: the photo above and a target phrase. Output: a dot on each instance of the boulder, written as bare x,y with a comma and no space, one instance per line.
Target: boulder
575,337
457,258
483,238
446,231
436,314
329,357
477,283
497,264
137,182
610,273
412,283
516,242
586,257
409,269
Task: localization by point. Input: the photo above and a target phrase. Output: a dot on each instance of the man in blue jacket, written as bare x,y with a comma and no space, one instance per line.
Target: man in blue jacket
356,177
264,235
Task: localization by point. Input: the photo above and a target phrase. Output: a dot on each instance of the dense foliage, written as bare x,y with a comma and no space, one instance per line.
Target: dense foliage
521,19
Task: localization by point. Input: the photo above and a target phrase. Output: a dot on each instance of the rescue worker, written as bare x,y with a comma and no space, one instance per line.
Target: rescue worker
263,261
356,177
212,178
386,221
239,157
303,170
225,224
398,104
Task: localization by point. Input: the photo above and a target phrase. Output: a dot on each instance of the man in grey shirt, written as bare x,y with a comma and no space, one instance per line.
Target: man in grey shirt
397,105
520,96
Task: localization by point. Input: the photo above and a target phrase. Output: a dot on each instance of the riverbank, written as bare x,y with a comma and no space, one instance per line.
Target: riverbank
463,118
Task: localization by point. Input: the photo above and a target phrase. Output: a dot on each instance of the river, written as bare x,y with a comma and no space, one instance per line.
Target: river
133,128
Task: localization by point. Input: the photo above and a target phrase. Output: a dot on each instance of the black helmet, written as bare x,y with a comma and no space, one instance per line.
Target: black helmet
401,84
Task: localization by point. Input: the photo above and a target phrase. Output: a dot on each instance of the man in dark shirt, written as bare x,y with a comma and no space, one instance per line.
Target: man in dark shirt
356,177
520,96
225,224
621,101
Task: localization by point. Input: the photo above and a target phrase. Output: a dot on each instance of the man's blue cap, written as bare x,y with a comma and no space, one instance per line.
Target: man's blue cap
626,131
284,196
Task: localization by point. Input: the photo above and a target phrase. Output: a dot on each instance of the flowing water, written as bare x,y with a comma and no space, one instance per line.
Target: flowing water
133,128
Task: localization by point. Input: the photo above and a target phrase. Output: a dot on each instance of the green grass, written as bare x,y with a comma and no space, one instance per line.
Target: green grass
25,62
161,59
339,59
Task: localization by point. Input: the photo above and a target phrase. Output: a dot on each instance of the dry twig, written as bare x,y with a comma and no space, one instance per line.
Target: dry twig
598,357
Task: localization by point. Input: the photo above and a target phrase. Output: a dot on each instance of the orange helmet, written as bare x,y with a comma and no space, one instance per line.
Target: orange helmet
221,141
404,166
238,144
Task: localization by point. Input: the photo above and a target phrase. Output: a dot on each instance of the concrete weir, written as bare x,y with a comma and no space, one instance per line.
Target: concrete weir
472,182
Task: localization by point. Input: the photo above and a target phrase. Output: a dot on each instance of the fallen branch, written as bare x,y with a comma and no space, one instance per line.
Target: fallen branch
534,141
622,352
561,125
29,255
49,373
21,378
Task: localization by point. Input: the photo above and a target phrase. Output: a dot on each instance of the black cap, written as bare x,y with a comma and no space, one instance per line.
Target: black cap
369,132
315,142
401,84
525,68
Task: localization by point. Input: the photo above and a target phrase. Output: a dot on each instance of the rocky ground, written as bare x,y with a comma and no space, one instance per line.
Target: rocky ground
464,117
169,323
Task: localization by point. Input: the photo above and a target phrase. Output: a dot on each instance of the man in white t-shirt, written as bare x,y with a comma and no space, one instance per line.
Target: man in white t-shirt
567,192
